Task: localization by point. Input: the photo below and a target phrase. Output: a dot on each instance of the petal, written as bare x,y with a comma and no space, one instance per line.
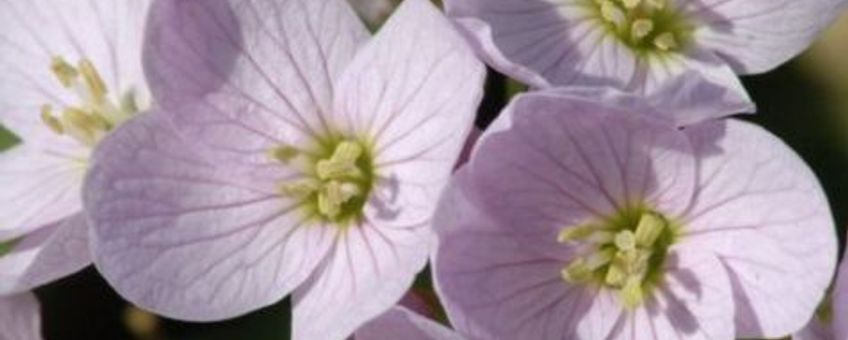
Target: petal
20,318
368,271
108,33
840,301
46,255
41,185
755,36
693,301
414,91
558,158
276,56
181,233
762,211
401,323
494,286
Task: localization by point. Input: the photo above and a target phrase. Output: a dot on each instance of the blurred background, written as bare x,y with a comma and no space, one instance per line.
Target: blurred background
805,102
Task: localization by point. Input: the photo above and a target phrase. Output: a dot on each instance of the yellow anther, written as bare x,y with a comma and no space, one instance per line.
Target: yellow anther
656,4
577,271
331,198
612,13
284,153
347,152
641,28
84,120
631,4
50,120
625,240
574,233
329,169
93,81
63,71
649,229
300,188
665,41
616,275
631,293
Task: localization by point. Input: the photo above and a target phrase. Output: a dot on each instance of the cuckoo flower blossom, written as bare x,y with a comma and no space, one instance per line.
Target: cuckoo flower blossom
19,317
70,71
581,218
831,319
312,166
639,45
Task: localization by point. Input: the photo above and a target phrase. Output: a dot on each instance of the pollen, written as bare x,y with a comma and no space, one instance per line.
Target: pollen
95,114
624,254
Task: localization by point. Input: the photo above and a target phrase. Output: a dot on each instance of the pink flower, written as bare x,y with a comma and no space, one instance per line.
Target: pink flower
640,45
580,217
71,72
294,156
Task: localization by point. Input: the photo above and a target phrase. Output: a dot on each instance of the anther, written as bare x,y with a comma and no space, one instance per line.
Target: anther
284,154
641,28
50,120
63,71
95,84
612,13
649,229
631,4
665,41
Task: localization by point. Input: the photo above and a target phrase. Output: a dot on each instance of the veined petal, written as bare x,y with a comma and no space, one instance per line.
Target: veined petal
760,209
493,285
281,57
45,255
367,272
556,159
691,303
108,33
755,36
840,301
41,185
402,323
180,232
20,318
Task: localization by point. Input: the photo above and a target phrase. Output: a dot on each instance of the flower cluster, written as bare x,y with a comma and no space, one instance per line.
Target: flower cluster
212,157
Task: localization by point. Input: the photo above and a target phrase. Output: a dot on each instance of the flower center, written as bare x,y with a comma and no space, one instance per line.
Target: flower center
337,177
644,25
624,254
96,114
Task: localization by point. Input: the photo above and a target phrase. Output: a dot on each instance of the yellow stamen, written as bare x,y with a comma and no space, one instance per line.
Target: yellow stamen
50,120
641,28
625,240
612,13
665,41
631,4
631,294
300,188
93,81
284,153
63,71
649,229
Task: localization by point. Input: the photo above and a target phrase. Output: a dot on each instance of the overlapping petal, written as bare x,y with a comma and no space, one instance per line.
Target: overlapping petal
20,318
402,323
180,233
764,214
840,301
45,255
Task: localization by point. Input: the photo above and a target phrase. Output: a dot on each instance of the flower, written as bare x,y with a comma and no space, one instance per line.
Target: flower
19,317
71,72
309,160
402,323
579,217
829,320
640,45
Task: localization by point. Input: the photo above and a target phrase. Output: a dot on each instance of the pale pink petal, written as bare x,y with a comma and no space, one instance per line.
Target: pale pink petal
45,255
179,232
108,33
277,58
757,35
369,269
840,301
760,209
692,302
402,323
41,185
555,159
20,317
494,285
